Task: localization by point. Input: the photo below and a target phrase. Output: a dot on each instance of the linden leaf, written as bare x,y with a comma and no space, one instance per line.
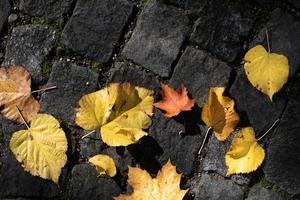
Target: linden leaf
166,186
245,154
104,164
121,110
219,114
173,102
267,72
42,148
15,92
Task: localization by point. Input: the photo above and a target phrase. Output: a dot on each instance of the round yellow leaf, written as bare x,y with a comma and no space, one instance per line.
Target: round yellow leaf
218,113
267,72
245,154
104,164
42,148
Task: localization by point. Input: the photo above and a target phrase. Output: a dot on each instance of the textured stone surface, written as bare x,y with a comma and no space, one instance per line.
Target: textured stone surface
295,3
166,142
257,192
96,27
214,160
28,46
121,72
72,83
4,12
14,181
85,184
283,154
223,30
50,9
284,33
198,71
255,107
157,38
215,187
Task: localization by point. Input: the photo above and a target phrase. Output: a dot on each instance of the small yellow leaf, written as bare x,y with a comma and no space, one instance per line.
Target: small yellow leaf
267,72
42,148
245,154
219,113
166,186
104,164
15,91
121,111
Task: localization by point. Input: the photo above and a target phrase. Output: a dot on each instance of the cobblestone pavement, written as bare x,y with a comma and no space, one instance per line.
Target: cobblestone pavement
82,45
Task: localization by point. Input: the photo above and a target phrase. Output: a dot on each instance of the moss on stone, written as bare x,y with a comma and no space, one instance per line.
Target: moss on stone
267,184
96,66
47,65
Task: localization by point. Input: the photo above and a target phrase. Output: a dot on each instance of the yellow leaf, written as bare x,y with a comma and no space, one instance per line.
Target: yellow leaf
267,72
42,148
121,110
104,164
15,91
245,154
164,187
219,113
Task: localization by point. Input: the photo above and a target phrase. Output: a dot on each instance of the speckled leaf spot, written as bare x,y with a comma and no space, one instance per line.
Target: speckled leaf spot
166,186
42,148
245,154
267,72
121,111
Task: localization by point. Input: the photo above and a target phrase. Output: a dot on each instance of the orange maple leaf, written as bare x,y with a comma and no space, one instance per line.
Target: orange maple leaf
173,102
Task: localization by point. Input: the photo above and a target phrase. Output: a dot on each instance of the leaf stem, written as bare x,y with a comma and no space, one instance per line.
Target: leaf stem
22,117
268,41
203,142
44,89
89,133
261,137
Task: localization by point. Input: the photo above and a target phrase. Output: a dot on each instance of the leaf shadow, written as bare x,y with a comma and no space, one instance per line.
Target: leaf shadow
145,153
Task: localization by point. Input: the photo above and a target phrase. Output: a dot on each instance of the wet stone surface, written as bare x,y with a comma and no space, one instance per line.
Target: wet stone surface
224,30
96,27
199,71
49,9
4,12
28,46
72,83
157,40
283,153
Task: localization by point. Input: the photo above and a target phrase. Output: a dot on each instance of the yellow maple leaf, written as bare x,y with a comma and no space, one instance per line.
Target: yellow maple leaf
104,164
42,148
166,186
245,154
219,114
121,111
15,92
267,72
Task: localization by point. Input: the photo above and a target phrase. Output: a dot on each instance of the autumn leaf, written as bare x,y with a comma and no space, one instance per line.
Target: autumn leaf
166,186
245,154
15,92
121,111
219,114
104,164
173,102
267,72
42,148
